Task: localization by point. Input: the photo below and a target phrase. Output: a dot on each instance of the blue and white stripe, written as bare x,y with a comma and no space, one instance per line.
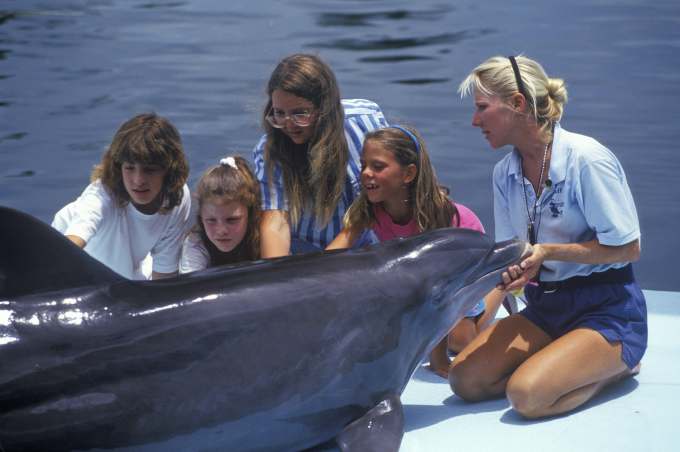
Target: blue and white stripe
361,117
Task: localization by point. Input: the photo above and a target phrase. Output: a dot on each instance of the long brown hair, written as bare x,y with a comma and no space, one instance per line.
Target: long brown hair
431,207
321,170
227,184
147,139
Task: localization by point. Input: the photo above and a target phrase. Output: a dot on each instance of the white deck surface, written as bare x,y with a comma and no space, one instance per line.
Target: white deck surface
637,414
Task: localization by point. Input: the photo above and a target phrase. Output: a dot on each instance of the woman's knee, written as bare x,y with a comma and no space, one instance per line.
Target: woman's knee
525,397
467,383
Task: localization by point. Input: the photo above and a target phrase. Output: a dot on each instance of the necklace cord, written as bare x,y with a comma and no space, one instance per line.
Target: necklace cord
532,228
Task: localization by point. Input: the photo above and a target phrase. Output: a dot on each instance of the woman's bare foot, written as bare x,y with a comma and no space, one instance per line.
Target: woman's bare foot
636,370
625,373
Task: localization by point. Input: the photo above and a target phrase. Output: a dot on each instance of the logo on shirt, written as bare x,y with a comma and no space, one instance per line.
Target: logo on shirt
556,204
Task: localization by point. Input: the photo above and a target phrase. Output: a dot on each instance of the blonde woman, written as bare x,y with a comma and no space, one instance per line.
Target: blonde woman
585,324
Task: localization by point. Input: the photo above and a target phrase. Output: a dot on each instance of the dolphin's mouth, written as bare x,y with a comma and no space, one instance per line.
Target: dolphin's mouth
528,250
508,252
500,257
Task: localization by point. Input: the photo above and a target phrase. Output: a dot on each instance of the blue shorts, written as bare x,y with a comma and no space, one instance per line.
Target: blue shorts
476,310
617,311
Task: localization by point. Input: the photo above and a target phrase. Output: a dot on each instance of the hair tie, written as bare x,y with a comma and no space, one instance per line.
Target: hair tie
229,161
518,77
410,135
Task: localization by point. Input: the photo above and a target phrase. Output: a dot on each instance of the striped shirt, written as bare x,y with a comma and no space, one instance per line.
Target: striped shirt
361,117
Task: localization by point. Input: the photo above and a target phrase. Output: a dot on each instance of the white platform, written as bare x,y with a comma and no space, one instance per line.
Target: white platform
638,414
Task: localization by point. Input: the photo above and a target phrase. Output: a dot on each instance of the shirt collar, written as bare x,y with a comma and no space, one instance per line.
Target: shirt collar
558,159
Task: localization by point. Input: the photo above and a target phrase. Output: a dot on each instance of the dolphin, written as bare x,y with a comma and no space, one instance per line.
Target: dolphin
281,355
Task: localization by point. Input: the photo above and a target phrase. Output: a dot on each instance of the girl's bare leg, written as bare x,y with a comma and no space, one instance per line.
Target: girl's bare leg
439,359
462,334
467,329
482,369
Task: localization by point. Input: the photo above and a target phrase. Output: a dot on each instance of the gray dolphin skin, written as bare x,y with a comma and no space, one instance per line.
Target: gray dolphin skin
279,355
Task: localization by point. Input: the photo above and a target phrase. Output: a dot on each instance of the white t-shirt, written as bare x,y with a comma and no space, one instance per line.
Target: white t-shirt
194,254
121,238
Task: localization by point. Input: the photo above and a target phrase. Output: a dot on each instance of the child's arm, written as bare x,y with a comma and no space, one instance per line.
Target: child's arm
80,220
77,240
345,239
195,255
167,250
274,234
158,275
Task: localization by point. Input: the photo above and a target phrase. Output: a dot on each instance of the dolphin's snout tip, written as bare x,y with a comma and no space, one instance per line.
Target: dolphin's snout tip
513,249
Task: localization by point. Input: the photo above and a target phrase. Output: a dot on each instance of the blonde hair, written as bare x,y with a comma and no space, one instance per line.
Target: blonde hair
321,171
147,139
545,96
431,207
226,184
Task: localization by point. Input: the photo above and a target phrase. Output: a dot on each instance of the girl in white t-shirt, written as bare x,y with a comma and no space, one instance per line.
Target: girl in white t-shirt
229,211
137,203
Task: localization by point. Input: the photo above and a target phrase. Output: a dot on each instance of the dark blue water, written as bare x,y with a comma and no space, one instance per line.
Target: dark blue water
72,71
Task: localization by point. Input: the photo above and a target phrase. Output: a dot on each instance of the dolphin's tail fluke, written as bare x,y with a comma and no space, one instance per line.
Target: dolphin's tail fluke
34,258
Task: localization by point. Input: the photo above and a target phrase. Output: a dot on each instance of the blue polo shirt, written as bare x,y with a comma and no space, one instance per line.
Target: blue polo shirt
361,117
589,199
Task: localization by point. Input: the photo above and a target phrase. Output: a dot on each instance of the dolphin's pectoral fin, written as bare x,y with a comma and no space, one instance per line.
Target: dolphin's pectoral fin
379,430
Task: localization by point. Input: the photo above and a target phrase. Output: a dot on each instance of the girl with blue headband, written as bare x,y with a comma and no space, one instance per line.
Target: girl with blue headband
401,197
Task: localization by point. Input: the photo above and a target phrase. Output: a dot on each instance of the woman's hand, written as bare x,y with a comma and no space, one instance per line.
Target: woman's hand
590,252
517,276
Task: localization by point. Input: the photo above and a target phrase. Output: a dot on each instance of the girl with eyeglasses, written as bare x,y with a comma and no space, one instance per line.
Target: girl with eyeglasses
307,163
585,324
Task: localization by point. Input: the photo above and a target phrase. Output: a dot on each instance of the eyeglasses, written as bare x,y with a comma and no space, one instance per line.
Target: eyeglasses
277,118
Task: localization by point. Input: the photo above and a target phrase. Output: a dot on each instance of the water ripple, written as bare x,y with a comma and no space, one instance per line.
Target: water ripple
24,173
87,105
13,136
388,43
6,16
393,58
421,81
367,19
156,5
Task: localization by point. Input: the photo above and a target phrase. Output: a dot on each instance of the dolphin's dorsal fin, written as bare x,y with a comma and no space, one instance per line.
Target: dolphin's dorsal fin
379,430
36,258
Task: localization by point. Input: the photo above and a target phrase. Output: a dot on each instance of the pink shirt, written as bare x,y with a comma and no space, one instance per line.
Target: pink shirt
386,229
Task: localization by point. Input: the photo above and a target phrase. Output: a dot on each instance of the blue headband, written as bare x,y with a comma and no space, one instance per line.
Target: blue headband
410,135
